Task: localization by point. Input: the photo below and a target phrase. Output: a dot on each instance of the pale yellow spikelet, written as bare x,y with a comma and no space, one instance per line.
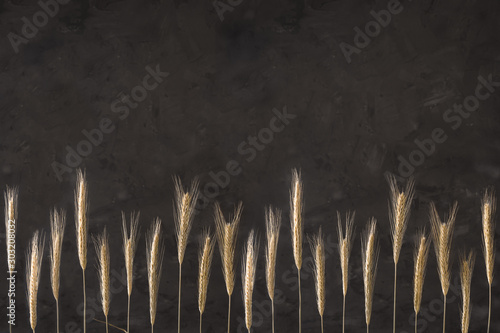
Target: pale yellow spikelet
488,209
466,270
101,244
369,255
205,254
420,256
11,197
81,210
249,264
130,237
227,233
154,258
34,258
345,246
317,244
185,202
296,212
399,213
442,236
57,226
273,224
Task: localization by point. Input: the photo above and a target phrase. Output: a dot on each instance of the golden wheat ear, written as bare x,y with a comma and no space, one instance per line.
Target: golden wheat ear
488,208
317,244
420,255
345,247
466,270
369,255
101,244
273,224
154,257
57,226
81,211
248,267
34,257
205,255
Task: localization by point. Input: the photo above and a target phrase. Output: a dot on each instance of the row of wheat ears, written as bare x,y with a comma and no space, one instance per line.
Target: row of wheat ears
226,235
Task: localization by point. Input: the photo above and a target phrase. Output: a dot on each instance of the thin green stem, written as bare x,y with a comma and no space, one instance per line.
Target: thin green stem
179,306
128,315
343,314
444,314
229,314
489,311
394,311
272,313
57,311
84,304
300,302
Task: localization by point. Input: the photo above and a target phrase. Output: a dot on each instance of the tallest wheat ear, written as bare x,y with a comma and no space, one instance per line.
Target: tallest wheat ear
345,247
369,256
10,197
154,258
57,226
488,214
399,214
81,210
227,232
296,209
183,216
33,270
273,224
442,236
466,269
129,248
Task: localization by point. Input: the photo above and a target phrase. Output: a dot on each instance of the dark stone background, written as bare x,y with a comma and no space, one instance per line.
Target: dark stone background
352,122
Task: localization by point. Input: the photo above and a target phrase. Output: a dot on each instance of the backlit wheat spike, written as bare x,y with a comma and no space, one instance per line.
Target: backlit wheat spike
227,233
11,197
296,212
420,256
317,244
442,236
273,224
34,258
101,244
205,254
488,209
154,258
57,226
345,247
466,270
249,264
399,214
130,237
81,210
183,216
369,256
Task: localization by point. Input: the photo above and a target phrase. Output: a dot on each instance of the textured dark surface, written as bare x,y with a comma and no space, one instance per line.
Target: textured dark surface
352,121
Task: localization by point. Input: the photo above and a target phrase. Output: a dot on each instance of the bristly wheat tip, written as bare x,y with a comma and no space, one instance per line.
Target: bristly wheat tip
130,238
184,207
345,246
57,226
273,224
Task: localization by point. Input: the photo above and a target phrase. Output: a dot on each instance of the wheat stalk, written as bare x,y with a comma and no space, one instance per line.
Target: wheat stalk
183,216
369,256
34,258
57,226
488,208
420,256
442,235
227,233
466,270
345,247
399,214
154,258
250,255
317,244
205,254
273,224
101,244
81,210
130,238
11,198
296,212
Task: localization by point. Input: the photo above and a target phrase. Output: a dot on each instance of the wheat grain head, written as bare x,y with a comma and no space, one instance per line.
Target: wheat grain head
466,270
81,210
442,236
205,254
317,244
227,233
345,246
11,195
296,212
34,257
273,224
488,209
420,255
369,256
184,205
57,226
249,264
101,244
154,257
130,238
